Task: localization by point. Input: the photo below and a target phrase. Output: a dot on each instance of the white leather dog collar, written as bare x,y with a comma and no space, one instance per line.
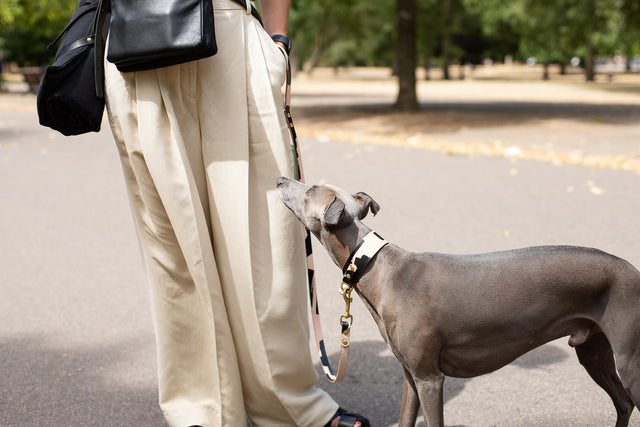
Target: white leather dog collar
368,247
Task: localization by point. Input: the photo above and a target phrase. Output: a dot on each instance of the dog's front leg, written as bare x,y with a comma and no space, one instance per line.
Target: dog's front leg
429,390
410,403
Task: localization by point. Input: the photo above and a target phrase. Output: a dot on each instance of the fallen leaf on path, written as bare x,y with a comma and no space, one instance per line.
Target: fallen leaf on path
513,151
594,189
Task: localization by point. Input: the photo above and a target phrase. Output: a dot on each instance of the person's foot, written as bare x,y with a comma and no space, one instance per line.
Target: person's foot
343,418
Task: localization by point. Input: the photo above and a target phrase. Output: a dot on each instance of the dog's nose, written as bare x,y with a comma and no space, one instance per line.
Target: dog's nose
282,180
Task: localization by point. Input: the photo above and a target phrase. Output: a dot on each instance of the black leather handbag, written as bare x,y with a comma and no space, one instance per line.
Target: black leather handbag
144,34
152,34
71,93
147,34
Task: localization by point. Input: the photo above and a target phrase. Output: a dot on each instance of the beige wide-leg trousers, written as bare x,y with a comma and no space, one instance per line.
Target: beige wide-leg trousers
202,145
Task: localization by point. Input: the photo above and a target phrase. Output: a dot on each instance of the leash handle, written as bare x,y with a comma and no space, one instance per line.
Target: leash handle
345,338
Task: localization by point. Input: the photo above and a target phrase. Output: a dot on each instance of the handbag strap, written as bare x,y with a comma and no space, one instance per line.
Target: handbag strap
71,22
104,7
96,38
254,11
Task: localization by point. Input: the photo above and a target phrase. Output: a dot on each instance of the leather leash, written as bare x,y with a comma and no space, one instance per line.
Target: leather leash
356,263
345,322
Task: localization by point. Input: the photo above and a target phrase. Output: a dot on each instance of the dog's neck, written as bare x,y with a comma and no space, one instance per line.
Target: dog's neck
341,243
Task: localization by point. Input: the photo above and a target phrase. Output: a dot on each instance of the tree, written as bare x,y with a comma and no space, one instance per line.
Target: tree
591,27
428,32
547,33
406,55
334,33
553,31
28,26
630,37
445,41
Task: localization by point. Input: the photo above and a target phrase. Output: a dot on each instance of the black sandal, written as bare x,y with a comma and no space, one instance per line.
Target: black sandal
347,419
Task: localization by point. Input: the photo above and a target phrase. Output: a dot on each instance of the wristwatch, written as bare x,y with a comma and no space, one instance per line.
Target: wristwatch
284,40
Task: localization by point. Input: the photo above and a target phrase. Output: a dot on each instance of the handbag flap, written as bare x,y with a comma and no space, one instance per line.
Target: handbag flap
148,29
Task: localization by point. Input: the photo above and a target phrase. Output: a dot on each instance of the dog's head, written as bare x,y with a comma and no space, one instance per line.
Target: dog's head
324,207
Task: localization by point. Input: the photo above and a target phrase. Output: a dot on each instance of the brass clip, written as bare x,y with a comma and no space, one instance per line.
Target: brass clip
345,291
346,294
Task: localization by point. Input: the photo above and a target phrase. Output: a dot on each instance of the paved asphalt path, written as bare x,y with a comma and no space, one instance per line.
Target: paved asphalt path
76,343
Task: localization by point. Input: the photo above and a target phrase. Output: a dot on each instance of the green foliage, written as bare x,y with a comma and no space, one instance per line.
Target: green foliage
630,38
362,32
351,32
27,27
357,31
556,30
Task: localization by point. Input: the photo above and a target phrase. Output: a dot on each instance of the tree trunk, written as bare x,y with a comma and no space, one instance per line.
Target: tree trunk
545,72
563,69
446,38
427,67
406,55
589,64
320,46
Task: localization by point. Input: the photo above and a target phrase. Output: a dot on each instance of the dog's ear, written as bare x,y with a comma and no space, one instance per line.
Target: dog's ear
334,215
366,202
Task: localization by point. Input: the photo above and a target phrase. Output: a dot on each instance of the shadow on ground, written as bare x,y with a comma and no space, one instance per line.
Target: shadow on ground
56,386
452,116
540,357
373,385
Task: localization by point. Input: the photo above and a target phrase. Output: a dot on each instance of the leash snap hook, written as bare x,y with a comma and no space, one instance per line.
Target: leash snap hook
348,299
346,317
345,290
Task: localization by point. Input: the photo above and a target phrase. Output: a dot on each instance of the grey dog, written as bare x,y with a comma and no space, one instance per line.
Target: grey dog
472,314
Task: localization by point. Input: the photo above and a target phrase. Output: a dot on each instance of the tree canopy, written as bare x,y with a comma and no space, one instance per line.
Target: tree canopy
28,26
358,32
401,34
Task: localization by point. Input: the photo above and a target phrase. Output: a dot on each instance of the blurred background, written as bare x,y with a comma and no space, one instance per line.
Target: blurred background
478,125
443,39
